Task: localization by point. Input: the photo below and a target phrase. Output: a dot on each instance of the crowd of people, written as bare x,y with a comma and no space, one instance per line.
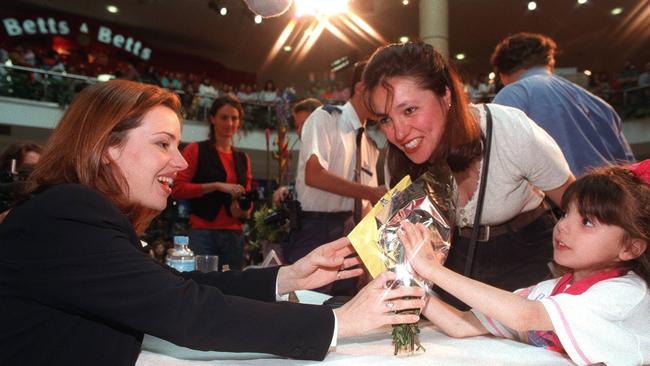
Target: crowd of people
196,90
544,146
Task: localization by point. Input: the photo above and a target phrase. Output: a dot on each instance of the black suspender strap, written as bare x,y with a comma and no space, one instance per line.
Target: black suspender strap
471,251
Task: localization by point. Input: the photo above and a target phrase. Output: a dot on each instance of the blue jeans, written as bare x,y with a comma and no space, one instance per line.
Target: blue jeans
227,244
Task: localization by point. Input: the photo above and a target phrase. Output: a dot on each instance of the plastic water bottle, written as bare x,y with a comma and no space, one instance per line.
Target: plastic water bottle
181,256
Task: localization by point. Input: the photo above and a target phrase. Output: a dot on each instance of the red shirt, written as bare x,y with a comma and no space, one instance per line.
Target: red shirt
185,189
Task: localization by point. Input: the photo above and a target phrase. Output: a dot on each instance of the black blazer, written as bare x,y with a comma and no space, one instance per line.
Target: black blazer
76,289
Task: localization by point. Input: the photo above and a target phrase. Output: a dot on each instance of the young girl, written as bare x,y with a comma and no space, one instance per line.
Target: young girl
599,310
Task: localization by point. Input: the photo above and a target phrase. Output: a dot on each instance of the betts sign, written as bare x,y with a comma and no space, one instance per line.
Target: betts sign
51,26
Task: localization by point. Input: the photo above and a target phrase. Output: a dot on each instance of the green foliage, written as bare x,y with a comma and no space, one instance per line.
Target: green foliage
261,231
405,338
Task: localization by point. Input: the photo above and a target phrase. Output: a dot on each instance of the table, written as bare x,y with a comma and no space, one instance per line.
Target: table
372,349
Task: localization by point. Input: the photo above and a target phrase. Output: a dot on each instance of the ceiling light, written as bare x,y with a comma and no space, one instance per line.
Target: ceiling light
460,56
223,11
403,39
581,2
258,19
320,8
492,75
287,48
617,11
405,2
112,9
587,72
532,5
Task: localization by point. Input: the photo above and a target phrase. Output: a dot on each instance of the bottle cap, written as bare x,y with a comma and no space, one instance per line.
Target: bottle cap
182,240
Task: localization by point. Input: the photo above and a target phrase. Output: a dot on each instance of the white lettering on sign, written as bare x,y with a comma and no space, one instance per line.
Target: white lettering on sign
105,35
40,26
15,28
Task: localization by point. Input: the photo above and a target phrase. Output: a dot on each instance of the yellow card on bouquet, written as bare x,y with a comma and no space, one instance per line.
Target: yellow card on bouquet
365,237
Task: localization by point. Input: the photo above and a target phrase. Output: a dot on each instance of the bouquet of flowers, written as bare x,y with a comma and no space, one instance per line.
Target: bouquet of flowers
428,200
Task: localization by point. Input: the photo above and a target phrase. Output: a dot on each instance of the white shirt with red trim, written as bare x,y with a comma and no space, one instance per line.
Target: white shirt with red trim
608,323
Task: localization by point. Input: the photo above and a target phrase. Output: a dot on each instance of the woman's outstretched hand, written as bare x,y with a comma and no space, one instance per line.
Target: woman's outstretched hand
322,266
376,305
416,239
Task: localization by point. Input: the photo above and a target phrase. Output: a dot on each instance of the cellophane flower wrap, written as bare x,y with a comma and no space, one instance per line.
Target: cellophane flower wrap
427,200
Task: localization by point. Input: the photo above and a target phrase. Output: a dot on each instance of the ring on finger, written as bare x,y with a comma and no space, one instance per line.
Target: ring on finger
390,304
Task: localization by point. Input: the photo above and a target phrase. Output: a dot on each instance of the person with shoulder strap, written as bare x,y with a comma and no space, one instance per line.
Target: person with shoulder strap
503,227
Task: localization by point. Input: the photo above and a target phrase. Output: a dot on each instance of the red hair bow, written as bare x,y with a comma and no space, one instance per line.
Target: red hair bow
642,170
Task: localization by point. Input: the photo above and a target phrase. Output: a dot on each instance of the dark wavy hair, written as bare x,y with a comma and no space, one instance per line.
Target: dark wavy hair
522,51
616,196
220,102
461,141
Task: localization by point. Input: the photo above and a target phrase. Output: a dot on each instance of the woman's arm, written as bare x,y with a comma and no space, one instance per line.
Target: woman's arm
510,309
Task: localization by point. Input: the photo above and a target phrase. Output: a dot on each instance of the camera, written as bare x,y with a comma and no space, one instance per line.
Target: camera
12,185
289,210
248,198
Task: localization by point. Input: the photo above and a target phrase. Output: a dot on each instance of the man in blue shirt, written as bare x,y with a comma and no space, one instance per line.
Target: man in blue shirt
587,129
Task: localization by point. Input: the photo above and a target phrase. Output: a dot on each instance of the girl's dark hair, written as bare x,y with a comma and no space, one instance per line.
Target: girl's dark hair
220,102
461,141
616,196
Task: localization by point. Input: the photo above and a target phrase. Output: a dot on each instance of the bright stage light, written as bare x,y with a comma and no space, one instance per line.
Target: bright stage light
325,8
403,39
587,72
532,5
287,48
581,2
617,11
460,56
492,75
223,11
112,9
405,2
258,19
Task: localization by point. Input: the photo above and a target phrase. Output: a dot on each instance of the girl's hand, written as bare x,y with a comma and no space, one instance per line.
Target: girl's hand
322,266
375,306
419,249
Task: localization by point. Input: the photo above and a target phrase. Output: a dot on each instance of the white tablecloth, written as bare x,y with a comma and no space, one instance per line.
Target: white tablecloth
373,349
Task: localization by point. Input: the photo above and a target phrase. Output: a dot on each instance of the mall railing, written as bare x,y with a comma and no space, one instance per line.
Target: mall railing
43,85
61,87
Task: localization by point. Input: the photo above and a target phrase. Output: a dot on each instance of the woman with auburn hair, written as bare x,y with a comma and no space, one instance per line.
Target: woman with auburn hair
76,287
424,113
